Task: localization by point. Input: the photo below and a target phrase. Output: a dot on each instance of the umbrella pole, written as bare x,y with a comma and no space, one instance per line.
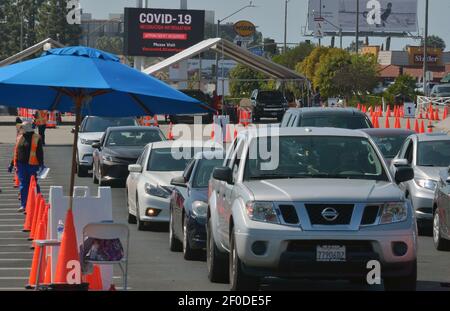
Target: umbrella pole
78,102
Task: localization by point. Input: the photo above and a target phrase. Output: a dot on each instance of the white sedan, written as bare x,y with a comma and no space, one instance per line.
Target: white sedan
148,184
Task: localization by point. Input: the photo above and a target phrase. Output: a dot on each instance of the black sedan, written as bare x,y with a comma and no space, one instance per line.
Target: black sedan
441,212
119,147
389,140
188,205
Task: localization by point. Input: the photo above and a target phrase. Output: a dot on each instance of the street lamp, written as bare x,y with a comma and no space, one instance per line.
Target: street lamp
250,5
285,23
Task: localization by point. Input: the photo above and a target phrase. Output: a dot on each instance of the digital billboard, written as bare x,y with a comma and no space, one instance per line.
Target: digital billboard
161,32
384,16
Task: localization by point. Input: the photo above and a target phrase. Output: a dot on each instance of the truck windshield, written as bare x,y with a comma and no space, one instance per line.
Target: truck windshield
340,121
271,96
314,157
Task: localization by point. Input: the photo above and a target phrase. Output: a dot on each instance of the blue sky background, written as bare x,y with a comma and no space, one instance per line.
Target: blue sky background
269,16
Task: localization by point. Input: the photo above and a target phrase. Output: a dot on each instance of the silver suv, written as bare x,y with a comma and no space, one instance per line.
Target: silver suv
321,204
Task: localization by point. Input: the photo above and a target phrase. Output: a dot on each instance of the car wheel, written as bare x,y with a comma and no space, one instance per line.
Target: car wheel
404,283
82,171
139,222
131,217
440,243
101,182
174,244
188,252
94,175
239,280
216,261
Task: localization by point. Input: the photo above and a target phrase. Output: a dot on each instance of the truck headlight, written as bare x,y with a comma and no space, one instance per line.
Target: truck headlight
156,191
426,183
393,212
199,208
262,211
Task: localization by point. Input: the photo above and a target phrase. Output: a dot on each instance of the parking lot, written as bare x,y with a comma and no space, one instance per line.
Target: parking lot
152,265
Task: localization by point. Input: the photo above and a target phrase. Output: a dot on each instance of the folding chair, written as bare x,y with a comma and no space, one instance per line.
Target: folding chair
107,231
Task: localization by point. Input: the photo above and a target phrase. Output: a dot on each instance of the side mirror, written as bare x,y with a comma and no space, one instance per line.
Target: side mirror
448,180
135,168
96,145
223,174
404,173
178,181
400,162
72,130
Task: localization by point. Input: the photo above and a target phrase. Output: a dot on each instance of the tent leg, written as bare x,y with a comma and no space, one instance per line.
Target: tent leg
78,102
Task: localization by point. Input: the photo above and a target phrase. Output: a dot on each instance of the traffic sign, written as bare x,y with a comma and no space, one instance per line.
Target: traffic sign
409,110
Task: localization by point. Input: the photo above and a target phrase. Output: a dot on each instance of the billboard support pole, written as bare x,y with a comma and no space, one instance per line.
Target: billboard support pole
425,38
357,27
138,60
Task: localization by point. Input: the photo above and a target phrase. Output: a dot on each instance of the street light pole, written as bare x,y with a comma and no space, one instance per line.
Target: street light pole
285,23
357,27
425,52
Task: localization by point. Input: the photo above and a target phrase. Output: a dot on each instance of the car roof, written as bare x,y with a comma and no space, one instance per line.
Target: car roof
182,143
135,127
387,132
432,137
208,154
302,131
326,111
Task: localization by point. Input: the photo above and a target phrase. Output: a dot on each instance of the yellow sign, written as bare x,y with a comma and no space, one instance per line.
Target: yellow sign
434,56
245,28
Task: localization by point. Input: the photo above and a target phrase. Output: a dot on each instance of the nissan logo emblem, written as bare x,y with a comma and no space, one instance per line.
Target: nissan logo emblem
329,214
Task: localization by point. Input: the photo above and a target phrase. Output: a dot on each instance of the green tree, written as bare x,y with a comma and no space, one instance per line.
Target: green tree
310,64
53,23
343,74
295,55
112,45
435,42
404,85
241,88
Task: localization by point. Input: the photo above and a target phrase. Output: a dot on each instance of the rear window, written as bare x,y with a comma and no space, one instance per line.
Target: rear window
98,124
163,160
272,96
338,121
443,89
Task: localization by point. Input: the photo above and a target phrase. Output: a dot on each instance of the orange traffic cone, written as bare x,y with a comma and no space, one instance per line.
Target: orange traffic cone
386,123
212,132
358,106
377,124
445,114
95,279
38,205
416,126
40,235
235,133
436,114
40,212
430,127
156,121
170,135
388,111
31,203
228,134
397,123
420,115
68,250
422,127
48,271
408,124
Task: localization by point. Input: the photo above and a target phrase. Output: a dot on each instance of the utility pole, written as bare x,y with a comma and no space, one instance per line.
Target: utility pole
139,60
357,27
320,14
425,54
285,24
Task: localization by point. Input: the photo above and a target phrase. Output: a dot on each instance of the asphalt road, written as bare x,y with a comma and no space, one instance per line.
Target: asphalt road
152,266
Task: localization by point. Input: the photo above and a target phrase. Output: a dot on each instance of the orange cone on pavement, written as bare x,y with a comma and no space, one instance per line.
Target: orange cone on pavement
48,271
31,203
377,124
40,212
386,123
445,113
408,124
358,106
228,134
68,250
388,111
422,127
95,279
37,206
170,135
430,127
416,126
40,235
436,114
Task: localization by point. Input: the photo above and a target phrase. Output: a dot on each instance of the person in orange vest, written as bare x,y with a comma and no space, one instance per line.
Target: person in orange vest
29,158
40,120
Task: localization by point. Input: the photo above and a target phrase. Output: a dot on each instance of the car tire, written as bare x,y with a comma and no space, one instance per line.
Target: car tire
131,217
94,175
440,243
101,182
216,261
188,252
82,171
403,283
140,224
175,245
239,280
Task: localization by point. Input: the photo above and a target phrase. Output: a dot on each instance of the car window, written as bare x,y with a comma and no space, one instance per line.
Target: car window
339,121
164,160
433,153
270,96
188,171
293,120
389,145
133,138
236,160
230,153
99,124
409,152
402,152
315,157
141,158
203,172
286,118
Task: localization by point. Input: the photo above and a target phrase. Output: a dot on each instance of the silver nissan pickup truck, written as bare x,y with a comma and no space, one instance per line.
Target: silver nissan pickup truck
309,203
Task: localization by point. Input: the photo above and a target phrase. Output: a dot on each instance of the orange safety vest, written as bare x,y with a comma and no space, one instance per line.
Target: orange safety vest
34,144
41,118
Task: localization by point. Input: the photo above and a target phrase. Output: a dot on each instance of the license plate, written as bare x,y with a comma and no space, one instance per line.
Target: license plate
330,253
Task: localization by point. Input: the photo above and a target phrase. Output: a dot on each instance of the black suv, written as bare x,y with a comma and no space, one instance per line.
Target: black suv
268,104
207,117
348,118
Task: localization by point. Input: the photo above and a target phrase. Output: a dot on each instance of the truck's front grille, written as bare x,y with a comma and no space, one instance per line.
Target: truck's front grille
311,245
289,214
370,214
321,214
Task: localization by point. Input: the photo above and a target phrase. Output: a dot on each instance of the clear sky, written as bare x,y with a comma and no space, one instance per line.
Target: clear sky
269,16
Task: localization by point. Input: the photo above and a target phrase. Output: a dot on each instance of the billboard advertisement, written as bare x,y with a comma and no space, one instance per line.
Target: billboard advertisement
161,32
374,15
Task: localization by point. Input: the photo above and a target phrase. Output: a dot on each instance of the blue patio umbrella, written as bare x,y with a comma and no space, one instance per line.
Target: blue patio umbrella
89,81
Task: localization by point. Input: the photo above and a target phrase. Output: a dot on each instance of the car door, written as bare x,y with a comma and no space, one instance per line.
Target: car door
407,153
181,196
228,195
97,155
133,178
